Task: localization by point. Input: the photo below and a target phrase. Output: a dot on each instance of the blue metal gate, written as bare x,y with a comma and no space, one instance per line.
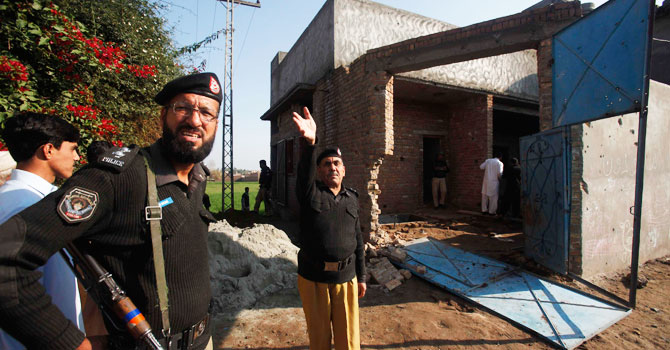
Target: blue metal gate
545,199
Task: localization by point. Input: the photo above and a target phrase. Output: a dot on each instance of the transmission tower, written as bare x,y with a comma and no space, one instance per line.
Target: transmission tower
227,181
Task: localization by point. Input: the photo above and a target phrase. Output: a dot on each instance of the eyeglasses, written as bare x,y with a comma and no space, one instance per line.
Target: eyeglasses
182,110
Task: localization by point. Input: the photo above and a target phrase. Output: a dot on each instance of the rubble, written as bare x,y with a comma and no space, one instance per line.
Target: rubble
384,273
406,273
397,254
392,284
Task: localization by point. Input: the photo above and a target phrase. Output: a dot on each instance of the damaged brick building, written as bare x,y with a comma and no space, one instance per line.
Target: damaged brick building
393,89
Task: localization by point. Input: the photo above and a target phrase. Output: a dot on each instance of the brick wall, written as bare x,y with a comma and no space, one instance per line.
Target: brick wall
470,143
401,174
544,76
353,111
287,131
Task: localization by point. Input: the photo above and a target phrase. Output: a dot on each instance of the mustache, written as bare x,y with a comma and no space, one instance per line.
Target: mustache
188,128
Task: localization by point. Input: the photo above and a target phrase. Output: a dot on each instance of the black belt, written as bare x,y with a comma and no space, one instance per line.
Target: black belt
184,340
332,266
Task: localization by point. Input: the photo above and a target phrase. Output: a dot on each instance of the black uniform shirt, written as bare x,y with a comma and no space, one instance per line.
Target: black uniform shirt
329,227
440,169
117,235
265,178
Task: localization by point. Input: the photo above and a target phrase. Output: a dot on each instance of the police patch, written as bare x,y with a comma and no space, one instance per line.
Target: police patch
78,205
214,86
117,158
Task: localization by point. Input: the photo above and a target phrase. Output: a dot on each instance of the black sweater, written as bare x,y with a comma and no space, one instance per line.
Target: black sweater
117,235
329,227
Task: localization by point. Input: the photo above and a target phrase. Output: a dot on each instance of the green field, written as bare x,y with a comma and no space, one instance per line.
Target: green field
214,192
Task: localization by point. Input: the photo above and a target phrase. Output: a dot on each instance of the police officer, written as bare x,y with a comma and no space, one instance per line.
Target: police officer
331,261
103,209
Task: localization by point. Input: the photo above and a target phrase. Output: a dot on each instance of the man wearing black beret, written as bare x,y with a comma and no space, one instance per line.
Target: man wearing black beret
331,261
110,209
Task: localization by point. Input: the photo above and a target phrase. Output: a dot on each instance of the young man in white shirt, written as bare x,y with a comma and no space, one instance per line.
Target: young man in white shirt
44,148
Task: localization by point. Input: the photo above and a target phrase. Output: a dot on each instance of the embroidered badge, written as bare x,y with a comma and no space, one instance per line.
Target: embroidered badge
116,160
214,86
121,152
78,204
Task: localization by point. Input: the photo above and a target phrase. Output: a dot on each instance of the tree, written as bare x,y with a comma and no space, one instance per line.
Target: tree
97,64
216,174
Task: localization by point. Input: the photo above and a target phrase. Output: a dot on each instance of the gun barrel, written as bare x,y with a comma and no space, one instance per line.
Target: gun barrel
151,341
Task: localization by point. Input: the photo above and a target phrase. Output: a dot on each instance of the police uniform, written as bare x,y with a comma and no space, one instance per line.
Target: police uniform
331,259
102,209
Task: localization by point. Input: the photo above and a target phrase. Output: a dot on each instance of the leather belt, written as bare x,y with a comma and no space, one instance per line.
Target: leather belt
184,340
335,266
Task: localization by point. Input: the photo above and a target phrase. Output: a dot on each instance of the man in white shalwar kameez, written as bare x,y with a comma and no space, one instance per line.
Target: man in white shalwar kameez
493,169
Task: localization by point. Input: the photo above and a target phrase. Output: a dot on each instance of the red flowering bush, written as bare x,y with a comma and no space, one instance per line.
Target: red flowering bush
52,64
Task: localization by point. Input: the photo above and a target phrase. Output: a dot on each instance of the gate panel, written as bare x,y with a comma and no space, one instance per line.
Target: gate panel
545,197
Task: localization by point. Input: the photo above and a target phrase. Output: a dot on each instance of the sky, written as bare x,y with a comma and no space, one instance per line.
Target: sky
259,33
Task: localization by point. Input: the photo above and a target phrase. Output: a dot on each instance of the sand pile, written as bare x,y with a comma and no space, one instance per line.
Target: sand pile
248,264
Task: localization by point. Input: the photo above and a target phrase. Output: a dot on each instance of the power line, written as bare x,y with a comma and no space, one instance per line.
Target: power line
244,41
227,183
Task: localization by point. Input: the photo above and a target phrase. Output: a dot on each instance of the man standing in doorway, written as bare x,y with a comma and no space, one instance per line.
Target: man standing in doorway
331,261
493,169
264,189
440,170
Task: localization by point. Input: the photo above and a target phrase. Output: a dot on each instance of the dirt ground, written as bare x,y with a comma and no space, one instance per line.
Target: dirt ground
418,315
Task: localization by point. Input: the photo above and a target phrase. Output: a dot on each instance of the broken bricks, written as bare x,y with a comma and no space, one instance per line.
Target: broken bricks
392,284
420,269
397,254
384,273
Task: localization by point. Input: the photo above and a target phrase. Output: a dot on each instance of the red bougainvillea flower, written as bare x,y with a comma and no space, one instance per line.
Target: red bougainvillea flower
84,112
107,128
12,69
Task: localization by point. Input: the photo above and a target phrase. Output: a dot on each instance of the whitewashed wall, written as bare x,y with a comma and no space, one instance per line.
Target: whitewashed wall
608,188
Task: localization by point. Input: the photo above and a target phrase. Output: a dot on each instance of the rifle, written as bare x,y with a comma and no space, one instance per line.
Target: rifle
111,299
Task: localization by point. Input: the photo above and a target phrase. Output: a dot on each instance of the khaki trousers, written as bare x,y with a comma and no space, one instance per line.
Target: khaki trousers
324,304
439,185
263,195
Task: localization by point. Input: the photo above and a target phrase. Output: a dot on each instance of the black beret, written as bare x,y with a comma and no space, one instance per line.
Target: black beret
328,152
205,84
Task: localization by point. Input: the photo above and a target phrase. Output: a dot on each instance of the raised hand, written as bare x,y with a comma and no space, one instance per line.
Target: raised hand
306,125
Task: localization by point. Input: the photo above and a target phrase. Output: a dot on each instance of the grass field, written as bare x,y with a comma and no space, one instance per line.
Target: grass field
214,192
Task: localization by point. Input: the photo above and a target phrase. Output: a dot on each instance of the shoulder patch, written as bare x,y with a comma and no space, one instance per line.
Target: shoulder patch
77,205
117,158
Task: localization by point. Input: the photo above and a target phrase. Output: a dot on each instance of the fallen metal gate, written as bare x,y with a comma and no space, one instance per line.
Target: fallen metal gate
545,197
563,316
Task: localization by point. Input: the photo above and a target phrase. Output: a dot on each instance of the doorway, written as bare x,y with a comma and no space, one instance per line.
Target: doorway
431,148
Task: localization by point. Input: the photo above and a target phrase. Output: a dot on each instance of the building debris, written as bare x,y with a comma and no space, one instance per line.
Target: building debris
385,274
